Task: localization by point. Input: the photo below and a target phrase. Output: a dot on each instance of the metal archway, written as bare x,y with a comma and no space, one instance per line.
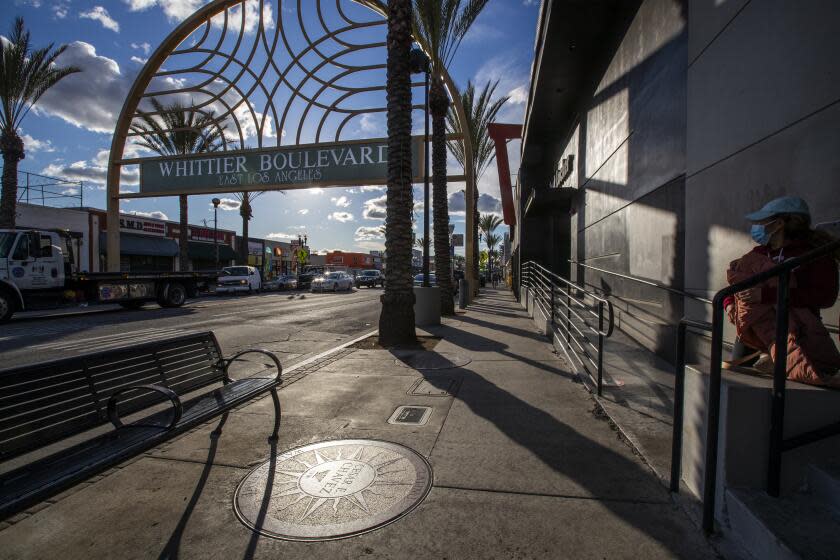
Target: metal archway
291,78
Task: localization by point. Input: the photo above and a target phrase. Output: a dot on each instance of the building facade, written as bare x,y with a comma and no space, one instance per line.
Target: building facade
653,127
349,261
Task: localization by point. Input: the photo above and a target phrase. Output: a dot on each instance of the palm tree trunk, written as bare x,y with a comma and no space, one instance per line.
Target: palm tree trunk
439,105
396,320
475,236
12,147
245,212
183,236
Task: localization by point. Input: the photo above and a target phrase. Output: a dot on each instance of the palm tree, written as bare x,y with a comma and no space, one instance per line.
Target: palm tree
420,242
247,213
480,110
25,76
173,130
396,320
442,25
488,223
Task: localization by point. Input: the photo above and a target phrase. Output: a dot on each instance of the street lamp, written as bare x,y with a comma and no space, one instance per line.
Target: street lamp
420,63
216,203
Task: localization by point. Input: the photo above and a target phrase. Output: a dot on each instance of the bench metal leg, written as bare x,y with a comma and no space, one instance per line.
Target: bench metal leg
275,434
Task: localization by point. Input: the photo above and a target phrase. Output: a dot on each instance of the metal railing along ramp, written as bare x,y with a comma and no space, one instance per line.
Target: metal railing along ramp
579,319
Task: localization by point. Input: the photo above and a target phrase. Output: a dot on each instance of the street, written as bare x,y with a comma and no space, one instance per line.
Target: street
290,324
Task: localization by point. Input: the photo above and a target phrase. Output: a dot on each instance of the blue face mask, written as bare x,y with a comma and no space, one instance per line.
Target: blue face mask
760,234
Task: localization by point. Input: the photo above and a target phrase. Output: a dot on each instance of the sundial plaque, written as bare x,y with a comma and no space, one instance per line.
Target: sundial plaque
332,490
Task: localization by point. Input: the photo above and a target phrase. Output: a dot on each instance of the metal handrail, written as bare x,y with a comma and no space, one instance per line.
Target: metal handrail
550,290
642,281
778,444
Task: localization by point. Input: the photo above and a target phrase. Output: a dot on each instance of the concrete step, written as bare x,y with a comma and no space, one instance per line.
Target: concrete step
823,484
786,528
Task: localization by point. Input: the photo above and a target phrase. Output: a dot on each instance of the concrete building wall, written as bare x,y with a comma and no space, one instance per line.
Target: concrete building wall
629,148
762,117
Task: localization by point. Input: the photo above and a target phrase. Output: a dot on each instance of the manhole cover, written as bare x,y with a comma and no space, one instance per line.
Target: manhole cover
431,360
332,490
415,415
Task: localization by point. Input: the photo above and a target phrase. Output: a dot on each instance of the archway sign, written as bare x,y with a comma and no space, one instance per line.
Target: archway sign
295,87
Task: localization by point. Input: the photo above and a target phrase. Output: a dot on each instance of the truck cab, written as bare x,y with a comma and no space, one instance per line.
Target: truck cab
31,261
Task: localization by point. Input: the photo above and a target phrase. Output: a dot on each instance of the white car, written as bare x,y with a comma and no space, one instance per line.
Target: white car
332,282
239,279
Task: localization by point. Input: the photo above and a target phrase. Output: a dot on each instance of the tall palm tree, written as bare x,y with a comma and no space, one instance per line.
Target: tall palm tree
396,320
488,223
246,210
442,25
25,75
172,130
480,110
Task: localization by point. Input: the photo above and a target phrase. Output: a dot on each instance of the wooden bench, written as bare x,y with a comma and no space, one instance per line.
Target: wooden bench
44,403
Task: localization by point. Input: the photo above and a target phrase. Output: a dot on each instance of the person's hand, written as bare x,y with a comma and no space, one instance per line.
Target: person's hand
753,295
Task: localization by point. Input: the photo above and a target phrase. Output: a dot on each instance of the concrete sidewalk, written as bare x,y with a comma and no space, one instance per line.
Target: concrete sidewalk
522,466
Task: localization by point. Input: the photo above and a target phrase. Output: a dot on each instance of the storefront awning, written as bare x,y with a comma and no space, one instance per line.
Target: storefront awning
142,245
206,252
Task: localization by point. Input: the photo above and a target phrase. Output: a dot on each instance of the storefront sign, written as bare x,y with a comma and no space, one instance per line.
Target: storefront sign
207,234
140,225
458,240
343,163
255,248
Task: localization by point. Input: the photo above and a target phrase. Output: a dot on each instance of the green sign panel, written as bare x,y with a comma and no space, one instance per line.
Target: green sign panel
297,167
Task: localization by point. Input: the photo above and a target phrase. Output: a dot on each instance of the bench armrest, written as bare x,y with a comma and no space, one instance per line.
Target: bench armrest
226,362
166,391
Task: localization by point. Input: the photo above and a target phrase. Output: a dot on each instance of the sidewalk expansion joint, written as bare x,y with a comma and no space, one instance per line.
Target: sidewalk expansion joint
197,462
552,495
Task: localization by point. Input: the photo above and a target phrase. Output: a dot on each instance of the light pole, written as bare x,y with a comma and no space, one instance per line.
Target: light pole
420,63
216,203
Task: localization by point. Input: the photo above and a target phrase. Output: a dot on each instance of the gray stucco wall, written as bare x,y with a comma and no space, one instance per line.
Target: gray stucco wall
763,114
630,155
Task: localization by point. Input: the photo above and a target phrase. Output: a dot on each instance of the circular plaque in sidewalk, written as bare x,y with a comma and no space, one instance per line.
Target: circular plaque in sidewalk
332,490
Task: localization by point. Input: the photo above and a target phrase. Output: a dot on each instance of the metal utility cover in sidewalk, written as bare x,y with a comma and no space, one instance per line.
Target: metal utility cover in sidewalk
332,490
414,415
439,387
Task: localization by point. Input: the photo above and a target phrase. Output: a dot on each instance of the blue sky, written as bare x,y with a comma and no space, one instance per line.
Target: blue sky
69,133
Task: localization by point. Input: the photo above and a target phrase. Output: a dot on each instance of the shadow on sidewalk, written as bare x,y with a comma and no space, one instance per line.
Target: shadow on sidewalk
596,468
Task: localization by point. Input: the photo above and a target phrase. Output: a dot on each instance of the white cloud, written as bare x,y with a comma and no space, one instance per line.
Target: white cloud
145,47
179,10
374,209
373,188
60,10
94,170
369,124
341,217
487,204
100,14
138,60
33,145
157,214
91,99
303,211
518,95
365,233
281,236
341,202
70,192
228,204
316,190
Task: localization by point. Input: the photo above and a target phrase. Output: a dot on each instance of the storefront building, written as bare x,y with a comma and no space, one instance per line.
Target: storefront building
202,249
349,261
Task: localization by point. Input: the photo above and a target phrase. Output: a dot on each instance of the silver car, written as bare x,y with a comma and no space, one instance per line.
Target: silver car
333,282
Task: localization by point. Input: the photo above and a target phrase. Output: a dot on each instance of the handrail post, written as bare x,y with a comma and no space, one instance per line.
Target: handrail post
600,347
679,404
551,308
777,411
710,469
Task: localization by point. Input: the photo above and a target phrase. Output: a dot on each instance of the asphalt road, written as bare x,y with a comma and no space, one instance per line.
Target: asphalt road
293,325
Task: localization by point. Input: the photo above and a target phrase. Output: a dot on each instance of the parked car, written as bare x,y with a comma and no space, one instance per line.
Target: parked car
287,282
370,278
239,279
332,282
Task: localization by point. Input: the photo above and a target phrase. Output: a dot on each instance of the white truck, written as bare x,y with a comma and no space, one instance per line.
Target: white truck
38,270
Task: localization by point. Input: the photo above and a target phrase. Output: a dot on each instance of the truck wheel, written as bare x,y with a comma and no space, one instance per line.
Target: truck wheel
132,304
7,306
175,296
